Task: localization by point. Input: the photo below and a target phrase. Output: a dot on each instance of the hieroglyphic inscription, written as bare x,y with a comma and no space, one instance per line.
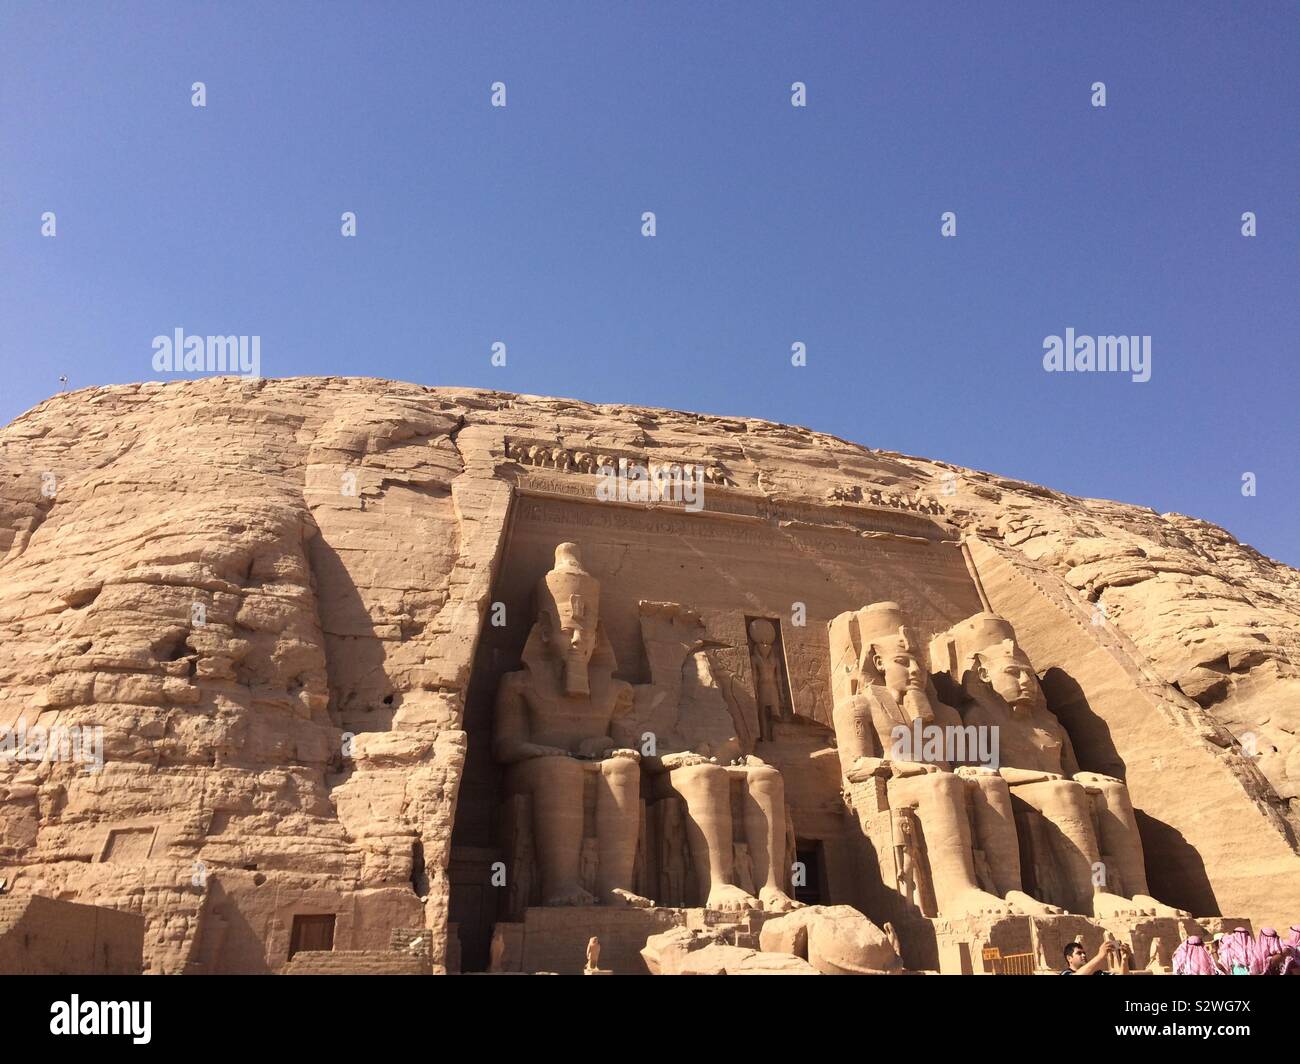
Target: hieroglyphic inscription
760,510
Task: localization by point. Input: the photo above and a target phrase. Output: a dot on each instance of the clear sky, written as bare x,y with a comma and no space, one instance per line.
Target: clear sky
775,224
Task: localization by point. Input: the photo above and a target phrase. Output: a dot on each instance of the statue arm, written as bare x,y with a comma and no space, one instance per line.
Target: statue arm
623,740
855,733
864,768
1094,778
902,769
1015,776
1069,763
510,739
861,754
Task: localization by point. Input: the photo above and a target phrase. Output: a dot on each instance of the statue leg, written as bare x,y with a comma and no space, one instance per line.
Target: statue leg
765,834
555,785
1121,840
995,831
706,790
939,799
1065,806
618,822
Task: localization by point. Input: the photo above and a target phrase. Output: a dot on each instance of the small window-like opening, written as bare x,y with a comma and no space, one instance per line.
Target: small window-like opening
312,933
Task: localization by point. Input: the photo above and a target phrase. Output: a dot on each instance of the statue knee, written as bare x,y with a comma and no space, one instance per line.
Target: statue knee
1066,792
1063,801
555,771
764,779
947,784
698,775
1114,792
992,784
621,771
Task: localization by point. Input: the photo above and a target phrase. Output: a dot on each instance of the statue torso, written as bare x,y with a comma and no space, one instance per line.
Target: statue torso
1035,741
558,719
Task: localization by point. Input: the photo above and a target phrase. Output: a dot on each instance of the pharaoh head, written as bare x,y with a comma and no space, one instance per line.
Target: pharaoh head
568,599
990,656
763,634
889,650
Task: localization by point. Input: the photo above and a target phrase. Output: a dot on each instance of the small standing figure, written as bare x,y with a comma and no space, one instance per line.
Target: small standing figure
593,954
906,857
1120,957
767,674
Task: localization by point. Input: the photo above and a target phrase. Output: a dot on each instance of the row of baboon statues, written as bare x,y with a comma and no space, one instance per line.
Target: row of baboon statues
951,838
546,456
549,456
896,499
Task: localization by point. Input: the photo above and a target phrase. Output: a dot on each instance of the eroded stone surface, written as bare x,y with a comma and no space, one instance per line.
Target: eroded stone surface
834,939
269,594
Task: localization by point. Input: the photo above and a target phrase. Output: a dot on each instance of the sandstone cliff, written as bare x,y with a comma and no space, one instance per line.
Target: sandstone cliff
268,594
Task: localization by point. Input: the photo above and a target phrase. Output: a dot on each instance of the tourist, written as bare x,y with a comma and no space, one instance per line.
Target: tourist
1266,947
1235,951
1214,952
1285,963
1078,961
1192,958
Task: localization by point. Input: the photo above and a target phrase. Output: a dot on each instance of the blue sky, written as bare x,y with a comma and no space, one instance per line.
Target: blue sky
776,224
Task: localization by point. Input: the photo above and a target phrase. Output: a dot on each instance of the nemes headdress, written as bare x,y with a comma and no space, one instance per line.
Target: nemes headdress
983,636
568,592
883,623
852,635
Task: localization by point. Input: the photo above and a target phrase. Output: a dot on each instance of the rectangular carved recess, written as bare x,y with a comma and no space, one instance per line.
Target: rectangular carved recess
770,673
128,845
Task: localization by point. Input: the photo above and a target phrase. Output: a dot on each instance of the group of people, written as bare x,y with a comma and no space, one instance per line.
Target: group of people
1238,953
1234,953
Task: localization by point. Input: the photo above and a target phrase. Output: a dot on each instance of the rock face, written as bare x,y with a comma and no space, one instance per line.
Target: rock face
682,953
39,936
276,599
834,939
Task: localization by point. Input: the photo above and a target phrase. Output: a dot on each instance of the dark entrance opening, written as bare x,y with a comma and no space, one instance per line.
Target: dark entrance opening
312,933
812,891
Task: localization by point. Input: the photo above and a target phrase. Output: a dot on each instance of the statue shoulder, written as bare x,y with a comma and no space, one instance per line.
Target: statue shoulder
622,694
979,711
1052,721
946,715
853,706
513,683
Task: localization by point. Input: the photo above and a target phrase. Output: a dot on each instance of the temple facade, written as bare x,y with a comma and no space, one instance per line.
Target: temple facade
402,670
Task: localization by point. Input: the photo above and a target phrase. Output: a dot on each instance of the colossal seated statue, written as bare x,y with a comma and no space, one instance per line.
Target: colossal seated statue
1092,854
553,730
880,692
689,728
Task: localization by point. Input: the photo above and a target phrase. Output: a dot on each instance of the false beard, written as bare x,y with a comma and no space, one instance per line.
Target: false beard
575,677
916,704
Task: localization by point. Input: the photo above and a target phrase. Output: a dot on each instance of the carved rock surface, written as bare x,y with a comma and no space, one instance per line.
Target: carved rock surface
268,595
684,952
834,939
735,960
